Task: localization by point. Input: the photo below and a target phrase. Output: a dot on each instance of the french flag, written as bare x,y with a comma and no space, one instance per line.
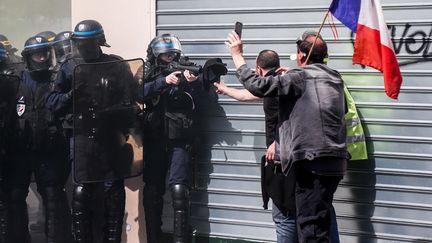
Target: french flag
373,46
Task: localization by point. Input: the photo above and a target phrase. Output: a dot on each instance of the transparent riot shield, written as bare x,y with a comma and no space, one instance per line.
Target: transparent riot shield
106,136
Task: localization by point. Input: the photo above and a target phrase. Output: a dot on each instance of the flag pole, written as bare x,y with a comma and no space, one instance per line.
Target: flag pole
319,31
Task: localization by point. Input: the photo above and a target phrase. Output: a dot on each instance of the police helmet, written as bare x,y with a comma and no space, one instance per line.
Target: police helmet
5,41
3,53
90,30
87,37
164,44
49,35
62,44
7,44
38,54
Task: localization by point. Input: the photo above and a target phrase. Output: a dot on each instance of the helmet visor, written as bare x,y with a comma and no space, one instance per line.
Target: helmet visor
165,44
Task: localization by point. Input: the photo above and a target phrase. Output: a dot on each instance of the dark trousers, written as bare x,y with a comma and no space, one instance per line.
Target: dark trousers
314,196
51,173
159,159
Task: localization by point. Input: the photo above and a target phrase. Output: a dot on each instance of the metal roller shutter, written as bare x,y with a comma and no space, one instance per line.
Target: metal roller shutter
385,199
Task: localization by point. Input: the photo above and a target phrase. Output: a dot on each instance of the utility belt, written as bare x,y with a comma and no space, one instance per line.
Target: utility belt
29,137
178,125
174,125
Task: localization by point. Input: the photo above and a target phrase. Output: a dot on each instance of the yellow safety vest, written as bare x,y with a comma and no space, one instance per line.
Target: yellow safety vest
355,140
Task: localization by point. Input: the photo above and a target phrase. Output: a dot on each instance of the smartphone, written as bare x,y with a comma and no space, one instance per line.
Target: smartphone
238,28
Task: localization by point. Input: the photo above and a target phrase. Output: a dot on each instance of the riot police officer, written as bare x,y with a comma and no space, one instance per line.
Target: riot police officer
88,37
39,147
62,44
169,111
10,49
8,89
48,34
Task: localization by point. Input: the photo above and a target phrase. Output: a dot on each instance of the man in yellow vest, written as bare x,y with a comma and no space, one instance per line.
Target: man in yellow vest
355,138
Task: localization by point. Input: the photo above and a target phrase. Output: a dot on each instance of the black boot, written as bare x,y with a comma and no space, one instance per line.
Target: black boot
57,215
81,214
114,211
181,206
153,206
18,217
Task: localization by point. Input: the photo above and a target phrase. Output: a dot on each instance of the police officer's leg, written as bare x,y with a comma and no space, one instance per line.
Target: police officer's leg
3,214
3,206
115,197
179,181
154,177
51,177
181,206
82,213
17,181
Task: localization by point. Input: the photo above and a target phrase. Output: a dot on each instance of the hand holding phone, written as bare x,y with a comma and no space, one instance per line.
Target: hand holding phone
238,28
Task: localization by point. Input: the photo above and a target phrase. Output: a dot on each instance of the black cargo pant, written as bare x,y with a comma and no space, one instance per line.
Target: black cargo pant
313,198
51,172
159,158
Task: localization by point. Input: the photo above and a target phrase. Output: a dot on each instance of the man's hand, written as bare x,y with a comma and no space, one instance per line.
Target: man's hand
172,78
220,87
236,47
271,151
234,43
189,76
282,70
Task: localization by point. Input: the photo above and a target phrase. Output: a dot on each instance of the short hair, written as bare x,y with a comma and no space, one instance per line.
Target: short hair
319,52
268,59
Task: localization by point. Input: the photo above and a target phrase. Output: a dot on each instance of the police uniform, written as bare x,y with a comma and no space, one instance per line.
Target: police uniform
38,146
9,82
60,101
168,135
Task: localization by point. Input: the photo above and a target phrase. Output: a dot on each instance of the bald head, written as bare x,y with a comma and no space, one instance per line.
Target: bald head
268,59
319,52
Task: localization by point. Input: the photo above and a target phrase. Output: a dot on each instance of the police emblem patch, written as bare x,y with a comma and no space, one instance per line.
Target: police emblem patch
20,109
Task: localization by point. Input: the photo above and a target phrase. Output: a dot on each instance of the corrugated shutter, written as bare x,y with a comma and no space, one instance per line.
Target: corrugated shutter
385,199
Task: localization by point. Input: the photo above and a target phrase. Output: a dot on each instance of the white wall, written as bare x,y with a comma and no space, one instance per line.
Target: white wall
129,24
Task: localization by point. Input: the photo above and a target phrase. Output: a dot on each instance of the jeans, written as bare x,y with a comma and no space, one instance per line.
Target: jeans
286,230
334,232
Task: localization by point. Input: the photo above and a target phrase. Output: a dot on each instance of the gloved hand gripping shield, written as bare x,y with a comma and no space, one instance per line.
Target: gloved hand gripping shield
106,139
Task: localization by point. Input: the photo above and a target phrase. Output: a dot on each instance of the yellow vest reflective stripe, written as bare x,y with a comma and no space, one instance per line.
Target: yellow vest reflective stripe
356,142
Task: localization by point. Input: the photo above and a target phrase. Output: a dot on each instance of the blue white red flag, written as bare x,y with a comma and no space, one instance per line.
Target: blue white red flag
373,46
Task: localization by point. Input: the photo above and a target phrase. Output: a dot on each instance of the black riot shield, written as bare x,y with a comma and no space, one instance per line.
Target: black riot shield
106,136
9,85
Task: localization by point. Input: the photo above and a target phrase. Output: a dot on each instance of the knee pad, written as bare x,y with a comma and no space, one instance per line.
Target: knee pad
180,197
81,197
